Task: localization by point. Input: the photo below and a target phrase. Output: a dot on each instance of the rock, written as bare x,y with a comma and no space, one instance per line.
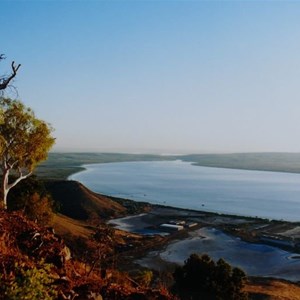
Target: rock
66,253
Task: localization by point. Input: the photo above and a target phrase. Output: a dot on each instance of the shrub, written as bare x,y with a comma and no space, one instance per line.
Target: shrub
145,278
201,278
31,197
39,209
31,283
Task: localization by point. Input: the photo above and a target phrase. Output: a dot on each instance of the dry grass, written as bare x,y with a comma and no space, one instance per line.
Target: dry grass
64,225
272,289
80,203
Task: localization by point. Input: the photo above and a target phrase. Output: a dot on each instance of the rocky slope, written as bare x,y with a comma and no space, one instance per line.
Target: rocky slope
35,263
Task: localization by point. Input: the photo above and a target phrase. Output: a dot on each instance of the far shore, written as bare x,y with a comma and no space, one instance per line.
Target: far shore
61,165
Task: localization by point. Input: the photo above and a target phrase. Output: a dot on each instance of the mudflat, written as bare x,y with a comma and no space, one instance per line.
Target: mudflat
258,246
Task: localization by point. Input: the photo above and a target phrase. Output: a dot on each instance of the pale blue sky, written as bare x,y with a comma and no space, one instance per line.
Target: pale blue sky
159,76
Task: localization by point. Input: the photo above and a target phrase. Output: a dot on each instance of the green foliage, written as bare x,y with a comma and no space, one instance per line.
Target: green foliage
25,140
144,278
201,278
31,284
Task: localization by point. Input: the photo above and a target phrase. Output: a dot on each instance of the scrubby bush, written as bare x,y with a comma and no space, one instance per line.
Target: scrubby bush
39,209
144,278
31,197
201,278
30,284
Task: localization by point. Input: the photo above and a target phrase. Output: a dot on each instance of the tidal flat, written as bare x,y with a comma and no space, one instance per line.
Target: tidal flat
259,246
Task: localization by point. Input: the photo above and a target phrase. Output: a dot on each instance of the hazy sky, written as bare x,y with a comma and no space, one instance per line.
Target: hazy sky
159,76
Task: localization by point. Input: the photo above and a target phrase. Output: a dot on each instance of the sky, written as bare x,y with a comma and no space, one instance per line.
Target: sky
158,76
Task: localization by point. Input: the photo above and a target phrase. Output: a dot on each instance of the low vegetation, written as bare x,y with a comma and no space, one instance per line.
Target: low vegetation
32,283
59,276
201,278
31,197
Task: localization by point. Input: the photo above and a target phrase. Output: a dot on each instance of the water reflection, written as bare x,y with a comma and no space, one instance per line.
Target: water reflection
254,259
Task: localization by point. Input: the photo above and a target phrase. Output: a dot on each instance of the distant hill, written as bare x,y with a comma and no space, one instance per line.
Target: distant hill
78,202
61,165
277,162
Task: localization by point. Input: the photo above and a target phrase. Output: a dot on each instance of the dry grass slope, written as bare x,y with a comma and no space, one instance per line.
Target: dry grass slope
272,289
64,225
80,203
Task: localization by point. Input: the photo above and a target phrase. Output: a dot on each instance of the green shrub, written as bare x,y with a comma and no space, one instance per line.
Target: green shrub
31,284
145,278
201,278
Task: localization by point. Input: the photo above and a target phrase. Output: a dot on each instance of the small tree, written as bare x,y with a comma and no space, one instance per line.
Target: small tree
24,142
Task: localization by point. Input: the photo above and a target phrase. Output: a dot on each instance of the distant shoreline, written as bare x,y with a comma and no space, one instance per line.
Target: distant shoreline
213,195
63,165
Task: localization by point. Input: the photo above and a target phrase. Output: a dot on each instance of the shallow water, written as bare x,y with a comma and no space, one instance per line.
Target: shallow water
254,259
272,195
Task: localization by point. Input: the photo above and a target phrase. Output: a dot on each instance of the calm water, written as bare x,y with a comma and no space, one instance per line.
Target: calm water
271,195
255,259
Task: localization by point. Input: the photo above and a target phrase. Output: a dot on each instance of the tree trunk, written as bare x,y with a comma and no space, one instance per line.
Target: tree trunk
4,188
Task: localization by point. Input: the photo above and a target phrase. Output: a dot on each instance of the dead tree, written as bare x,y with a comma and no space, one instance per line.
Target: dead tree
6,79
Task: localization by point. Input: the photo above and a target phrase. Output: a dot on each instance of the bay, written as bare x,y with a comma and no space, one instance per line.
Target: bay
271,195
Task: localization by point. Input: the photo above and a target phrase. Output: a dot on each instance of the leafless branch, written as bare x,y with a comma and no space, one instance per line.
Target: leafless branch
4,82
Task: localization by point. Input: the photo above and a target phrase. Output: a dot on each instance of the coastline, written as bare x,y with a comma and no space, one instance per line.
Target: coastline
235,193
69,163
240,241
282,235
276,234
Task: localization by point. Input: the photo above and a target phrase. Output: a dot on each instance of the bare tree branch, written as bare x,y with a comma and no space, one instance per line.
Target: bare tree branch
4,82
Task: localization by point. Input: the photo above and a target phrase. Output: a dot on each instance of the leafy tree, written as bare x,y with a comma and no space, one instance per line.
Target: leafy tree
24,142
201,278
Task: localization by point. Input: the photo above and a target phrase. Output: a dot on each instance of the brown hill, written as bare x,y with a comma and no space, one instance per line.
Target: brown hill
78,202
68,227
